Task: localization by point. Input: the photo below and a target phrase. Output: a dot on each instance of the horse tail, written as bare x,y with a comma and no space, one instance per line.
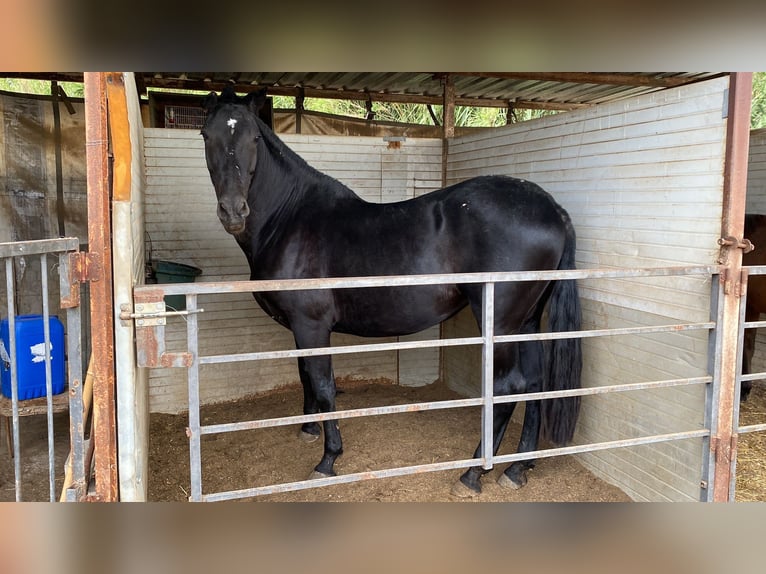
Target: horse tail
559,416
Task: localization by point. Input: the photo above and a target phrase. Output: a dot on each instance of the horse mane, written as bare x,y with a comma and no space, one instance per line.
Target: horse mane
304,174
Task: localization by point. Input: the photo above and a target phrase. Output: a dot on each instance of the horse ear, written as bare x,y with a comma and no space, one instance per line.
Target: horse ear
255,100
210,101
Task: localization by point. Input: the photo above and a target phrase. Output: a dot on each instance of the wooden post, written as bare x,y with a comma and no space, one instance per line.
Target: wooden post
448,122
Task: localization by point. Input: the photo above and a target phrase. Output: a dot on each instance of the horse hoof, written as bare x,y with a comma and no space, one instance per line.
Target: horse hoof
460,490
506,482
316,474
307,437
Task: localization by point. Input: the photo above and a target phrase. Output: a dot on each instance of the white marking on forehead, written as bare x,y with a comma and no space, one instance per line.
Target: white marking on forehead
231,123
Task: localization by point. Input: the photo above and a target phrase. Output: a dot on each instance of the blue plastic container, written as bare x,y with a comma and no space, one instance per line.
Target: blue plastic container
30,355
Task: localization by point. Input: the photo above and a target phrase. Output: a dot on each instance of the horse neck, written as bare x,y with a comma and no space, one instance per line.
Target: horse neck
283,180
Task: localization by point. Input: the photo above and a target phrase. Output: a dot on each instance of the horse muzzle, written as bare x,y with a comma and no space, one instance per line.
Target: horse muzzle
233,215
234,227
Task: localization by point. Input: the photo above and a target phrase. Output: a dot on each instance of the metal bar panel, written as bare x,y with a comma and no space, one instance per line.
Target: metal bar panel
74,364
48,377
715,343
195,453
436,467
38,247
487,373
488,339
14,375
738,377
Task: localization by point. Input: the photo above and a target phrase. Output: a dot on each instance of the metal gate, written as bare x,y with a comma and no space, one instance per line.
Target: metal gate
63,255
150,316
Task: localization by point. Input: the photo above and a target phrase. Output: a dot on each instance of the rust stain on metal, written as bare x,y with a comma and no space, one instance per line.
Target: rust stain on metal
148,295
396,144
150,340
104,435
147,347
176,360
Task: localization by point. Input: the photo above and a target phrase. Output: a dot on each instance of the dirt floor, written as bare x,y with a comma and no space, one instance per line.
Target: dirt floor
271,456
35,480
250,458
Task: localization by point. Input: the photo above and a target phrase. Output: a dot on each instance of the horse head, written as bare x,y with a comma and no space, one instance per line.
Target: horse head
231,133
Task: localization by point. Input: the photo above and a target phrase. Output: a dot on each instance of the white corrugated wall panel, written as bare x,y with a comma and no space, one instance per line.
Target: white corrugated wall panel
181,222
642,180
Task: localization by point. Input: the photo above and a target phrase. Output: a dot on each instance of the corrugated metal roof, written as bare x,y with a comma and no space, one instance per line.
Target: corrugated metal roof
543,90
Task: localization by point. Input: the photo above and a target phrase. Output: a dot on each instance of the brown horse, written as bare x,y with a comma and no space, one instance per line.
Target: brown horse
755,231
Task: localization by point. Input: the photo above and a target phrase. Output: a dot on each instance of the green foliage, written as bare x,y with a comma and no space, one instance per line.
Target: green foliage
410,113
40,87
758,111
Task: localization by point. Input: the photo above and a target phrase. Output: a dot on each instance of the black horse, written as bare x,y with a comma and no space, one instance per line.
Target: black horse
292,221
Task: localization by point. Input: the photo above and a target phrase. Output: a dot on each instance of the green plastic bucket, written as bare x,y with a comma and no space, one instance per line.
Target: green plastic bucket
170,272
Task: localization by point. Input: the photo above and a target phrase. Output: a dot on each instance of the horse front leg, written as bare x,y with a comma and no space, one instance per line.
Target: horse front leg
319,371
309,432
319,391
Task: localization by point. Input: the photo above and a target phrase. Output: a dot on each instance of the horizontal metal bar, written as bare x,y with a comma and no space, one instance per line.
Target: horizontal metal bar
202,288
751,428
437,405
754,324
755,269
39,246
341,414
341,479
605,332
448,465
340,350
580,449
429,343
753,377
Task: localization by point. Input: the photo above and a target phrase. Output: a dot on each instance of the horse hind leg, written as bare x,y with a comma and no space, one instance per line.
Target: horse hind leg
508,379
748,351
515,476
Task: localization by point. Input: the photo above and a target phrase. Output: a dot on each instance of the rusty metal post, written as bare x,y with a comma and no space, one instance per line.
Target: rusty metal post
101,306
724,439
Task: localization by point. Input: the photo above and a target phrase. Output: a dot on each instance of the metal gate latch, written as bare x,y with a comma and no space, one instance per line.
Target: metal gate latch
151,314
729,241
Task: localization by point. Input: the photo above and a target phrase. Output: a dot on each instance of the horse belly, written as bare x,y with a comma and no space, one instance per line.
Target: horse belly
393,311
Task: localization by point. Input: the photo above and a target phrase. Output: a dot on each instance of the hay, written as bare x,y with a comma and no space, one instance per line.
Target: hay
751,449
